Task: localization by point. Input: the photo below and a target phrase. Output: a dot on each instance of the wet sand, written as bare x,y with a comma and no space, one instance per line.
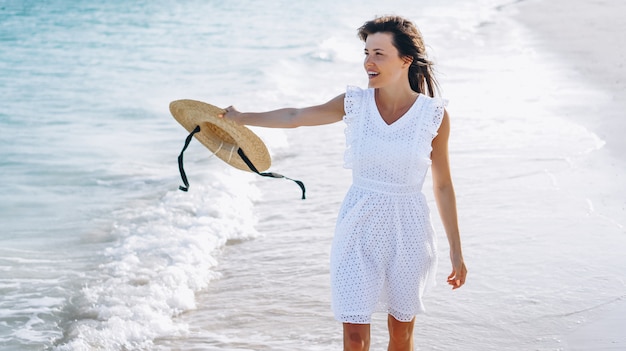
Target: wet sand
585,36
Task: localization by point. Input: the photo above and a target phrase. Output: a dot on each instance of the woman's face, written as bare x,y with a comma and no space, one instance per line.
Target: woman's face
382,63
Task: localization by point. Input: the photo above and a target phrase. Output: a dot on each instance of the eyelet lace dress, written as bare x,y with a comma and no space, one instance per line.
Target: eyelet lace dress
384,252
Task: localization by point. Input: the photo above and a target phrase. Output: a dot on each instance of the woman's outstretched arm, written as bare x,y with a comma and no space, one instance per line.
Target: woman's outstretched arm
329,112
446,201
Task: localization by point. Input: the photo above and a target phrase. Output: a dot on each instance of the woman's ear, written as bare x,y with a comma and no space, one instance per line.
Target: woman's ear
408,60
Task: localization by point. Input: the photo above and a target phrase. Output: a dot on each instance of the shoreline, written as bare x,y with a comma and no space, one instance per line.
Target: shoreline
582,35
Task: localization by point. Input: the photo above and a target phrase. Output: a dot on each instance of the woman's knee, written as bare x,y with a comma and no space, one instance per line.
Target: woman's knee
400,332
356,337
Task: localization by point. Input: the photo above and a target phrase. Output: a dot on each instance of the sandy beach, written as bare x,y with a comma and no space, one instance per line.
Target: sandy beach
584,35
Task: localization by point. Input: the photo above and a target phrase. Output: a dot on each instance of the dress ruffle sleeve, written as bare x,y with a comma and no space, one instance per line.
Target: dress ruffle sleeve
436,109
352,106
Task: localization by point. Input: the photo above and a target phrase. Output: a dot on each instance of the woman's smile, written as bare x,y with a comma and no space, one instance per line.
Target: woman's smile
372,74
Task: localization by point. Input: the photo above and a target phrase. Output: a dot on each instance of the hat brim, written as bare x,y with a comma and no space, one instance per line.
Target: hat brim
221,136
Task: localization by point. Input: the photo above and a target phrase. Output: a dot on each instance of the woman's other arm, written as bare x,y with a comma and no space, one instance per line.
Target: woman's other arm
446,201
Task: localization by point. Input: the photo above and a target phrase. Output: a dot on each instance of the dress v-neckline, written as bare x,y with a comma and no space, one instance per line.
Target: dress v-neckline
380,116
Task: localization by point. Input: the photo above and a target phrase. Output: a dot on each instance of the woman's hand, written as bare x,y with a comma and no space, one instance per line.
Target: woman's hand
457,278
233,114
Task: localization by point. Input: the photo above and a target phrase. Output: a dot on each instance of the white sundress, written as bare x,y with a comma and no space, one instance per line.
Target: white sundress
384,252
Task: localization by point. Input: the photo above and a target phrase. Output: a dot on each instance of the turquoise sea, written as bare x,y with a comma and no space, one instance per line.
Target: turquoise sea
99,250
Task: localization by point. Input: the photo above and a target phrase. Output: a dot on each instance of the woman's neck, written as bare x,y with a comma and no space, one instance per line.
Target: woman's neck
394,103
395,96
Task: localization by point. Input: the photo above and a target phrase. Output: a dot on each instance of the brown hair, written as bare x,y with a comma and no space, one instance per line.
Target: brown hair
409,42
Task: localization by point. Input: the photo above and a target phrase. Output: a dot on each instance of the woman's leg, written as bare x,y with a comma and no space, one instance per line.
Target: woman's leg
400,334
356,337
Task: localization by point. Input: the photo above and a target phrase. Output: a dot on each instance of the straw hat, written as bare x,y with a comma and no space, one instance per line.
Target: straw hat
222,136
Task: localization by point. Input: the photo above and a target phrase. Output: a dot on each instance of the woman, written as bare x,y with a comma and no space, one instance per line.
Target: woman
384,249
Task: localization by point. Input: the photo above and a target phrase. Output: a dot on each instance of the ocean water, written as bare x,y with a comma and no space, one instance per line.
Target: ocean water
100,251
